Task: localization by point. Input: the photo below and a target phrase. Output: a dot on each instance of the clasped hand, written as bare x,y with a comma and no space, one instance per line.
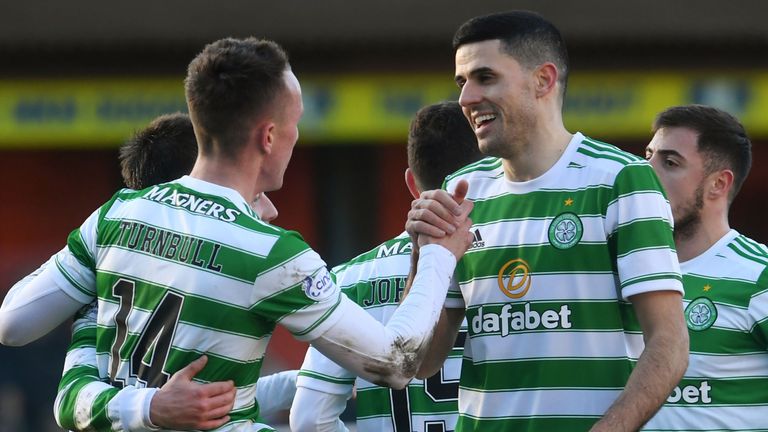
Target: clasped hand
438,217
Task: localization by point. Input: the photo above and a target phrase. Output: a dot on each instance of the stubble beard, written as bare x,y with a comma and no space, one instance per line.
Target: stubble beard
504,146
689,221
495,146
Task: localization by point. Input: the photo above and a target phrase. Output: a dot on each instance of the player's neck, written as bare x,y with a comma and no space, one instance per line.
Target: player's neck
709,232
235,174
542,151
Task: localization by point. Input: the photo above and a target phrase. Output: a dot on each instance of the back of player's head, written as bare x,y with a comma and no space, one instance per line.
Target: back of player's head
440,141
228,85
722,140
526,36
163,151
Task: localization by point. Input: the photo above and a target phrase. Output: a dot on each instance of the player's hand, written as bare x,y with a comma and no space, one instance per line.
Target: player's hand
460,240
437,213
184,404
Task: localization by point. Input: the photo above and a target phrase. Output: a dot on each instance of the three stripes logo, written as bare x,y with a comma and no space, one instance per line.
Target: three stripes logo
477,241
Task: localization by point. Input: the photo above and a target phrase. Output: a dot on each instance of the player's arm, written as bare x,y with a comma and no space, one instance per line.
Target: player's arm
430,215
41,295
389,354
321,383
660,366
52,295
275,392
639,222
85,402
442,342
446,330
317,411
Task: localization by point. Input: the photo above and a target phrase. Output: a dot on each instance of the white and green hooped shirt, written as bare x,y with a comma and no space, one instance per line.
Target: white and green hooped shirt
552,338
726,310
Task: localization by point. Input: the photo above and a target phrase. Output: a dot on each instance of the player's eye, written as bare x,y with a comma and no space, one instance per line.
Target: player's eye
485,78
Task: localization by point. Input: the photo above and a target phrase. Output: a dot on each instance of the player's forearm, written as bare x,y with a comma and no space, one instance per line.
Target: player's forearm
276,392
86,403
446,329
390,355
658,370
317,411
38,295
440,346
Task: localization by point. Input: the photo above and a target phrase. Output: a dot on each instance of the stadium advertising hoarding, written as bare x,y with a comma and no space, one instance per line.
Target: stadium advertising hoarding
362,108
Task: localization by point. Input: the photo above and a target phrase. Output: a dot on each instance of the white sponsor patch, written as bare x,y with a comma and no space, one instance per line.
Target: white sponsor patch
320,286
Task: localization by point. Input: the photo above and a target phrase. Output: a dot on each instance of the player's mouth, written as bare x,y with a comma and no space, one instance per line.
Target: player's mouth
482,121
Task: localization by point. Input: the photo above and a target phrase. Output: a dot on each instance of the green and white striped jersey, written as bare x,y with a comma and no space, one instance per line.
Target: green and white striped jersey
80,370
552,338
375,280
183,269
726,309
74,409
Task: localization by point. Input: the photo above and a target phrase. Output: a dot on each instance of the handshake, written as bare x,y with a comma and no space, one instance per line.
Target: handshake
438,217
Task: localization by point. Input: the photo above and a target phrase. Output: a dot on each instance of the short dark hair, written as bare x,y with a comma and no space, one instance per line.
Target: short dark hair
228,84
722,139
524,35
440,142
163,151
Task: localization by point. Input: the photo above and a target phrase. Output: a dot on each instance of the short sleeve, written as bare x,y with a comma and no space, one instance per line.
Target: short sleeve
639,229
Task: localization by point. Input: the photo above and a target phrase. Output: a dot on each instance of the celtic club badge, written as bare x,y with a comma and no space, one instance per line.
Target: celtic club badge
700,314
565,231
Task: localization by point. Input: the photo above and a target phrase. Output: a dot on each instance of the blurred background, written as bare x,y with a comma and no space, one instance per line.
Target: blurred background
79,77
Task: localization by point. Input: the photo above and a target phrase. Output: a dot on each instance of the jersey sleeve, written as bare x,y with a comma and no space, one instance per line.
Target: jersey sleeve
296,289
77,262
758,311
639,230
84,401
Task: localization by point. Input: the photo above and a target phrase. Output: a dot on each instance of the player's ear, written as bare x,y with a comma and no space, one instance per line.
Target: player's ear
545,77
263,136
410,181
721,183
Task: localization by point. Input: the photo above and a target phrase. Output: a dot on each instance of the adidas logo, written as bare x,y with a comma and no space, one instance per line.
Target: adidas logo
478,241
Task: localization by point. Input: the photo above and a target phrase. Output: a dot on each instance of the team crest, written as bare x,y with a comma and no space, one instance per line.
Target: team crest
565,231
700,314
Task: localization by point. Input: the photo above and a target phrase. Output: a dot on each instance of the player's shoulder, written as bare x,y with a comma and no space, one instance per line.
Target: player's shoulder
599,156
486,167
600,163
483,176
397,246
117,200
746,259
376,277
746,254
122,196
286,243
603,153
